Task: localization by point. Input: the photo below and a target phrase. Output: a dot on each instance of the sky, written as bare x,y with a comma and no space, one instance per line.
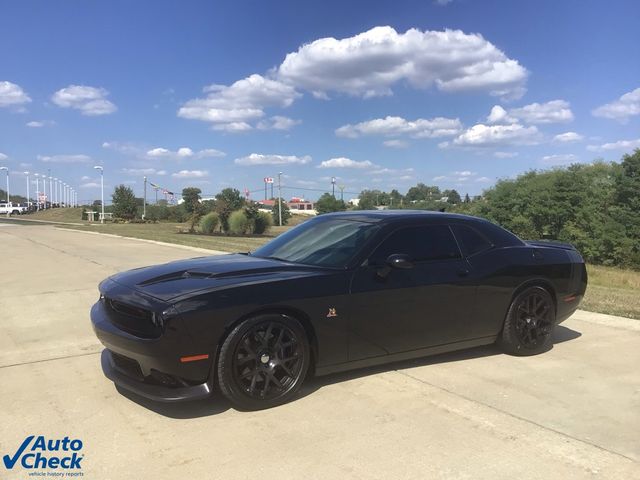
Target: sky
454,93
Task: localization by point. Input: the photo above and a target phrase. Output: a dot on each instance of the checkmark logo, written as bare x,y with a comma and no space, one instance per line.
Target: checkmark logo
10,462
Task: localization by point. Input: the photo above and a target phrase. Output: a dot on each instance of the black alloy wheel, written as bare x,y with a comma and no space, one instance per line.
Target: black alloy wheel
529,324
263,361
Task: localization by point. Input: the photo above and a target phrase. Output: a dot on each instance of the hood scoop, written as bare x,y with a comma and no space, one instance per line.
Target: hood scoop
169,277
199,274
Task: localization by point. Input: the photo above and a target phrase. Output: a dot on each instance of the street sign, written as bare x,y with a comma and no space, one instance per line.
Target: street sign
268,179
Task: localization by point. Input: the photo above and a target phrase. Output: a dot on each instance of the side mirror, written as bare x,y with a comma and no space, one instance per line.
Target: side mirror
399,260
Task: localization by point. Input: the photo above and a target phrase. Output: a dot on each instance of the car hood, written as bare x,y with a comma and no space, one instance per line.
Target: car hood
184,278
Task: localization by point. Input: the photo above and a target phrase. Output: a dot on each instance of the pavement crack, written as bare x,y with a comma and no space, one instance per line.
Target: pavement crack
51,359
517,417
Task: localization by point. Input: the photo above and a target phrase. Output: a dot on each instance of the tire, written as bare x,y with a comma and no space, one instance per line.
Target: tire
263,362
529,324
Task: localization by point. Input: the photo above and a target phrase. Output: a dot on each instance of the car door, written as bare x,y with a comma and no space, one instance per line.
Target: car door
401,309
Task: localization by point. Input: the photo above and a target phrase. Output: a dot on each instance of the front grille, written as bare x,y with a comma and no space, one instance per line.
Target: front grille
134,320
127,365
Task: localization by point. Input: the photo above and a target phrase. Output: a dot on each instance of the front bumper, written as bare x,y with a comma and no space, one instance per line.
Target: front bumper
158,393
151,367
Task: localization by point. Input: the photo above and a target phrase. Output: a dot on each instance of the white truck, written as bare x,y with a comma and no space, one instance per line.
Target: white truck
12,208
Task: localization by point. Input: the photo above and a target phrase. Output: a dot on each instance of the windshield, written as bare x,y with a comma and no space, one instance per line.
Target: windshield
327,243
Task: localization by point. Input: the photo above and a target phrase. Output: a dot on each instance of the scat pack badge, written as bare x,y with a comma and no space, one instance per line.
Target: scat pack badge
332,313
40,453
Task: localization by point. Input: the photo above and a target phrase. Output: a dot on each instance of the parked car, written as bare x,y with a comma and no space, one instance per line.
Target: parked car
338,292
12,208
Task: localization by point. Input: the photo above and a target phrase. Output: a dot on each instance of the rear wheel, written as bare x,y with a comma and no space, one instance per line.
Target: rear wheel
529,323
263,361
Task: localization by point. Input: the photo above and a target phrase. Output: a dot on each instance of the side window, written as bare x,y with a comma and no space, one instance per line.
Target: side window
423,243
471,241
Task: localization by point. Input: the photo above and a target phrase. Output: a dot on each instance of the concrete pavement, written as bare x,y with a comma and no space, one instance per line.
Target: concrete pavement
573,412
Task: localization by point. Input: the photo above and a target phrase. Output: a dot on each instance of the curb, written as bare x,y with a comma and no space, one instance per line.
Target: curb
155,242
46,222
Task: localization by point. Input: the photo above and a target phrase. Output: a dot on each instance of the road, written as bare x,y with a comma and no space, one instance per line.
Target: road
571,413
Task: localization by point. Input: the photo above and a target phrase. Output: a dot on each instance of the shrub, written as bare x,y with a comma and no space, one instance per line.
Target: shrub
209,223
239,224
262,223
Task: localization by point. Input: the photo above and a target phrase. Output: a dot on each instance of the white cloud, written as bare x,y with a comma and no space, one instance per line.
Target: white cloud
481,135
465,173
278,122
560,159
397,126
190,174
343,162
80,158
91,101
626,106
184,152
483,179
3,156
90,185
619,145
231,108
555,111
35,124
142,171
12,95
499,115
568,137
125,148
439,178
389,171
395,143
261,159
370,63
442,2
505,154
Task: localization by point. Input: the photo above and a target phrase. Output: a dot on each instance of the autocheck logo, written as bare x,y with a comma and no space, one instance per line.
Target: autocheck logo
41,453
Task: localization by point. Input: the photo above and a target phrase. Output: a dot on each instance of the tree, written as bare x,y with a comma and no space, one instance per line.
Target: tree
124,202
227,201
369,199
453,197
327,203
422,192
466,198
191,197
396,199
286,213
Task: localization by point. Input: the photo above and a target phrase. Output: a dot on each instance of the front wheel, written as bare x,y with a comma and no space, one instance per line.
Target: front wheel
263,361
529,323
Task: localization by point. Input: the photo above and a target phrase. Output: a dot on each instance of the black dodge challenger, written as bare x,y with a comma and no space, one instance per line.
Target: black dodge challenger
338,292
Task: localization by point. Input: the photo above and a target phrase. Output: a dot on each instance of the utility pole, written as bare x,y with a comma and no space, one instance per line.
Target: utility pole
333,186
144,203
279,199
50,186
341,187
44,190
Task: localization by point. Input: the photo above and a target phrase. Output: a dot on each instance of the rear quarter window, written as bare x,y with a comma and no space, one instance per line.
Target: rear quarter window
471,241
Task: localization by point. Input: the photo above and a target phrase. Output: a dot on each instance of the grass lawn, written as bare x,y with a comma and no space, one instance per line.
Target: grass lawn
611,290
73,215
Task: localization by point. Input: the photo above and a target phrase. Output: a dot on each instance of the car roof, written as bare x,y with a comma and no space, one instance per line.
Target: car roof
392,215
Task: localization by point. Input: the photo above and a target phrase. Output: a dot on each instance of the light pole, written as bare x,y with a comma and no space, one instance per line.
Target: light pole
50,189
64,194
333,186
279,199
44,190
59,192
98,167
55,191
7,170
37,191
28,196
144,203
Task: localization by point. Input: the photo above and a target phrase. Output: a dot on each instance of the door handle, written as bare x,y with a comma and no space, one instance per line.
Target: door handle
463,272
